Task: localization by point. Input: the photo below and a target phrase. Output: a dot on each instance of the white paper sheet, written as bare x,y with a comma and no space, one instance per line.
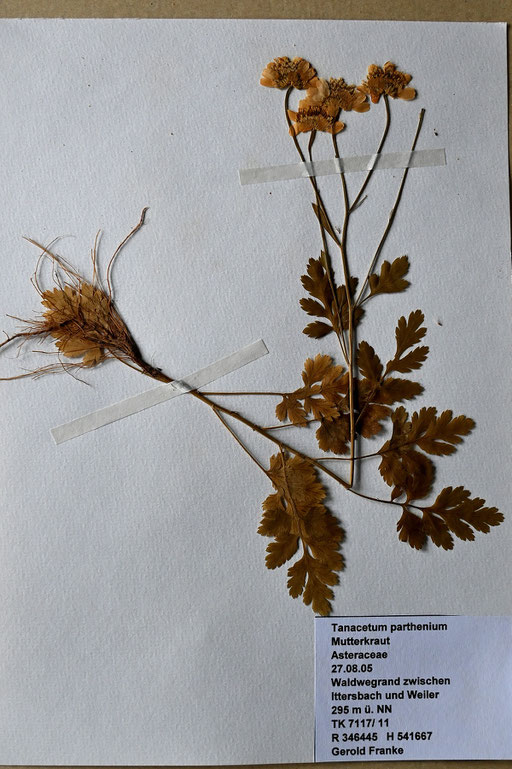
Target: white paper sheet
138,623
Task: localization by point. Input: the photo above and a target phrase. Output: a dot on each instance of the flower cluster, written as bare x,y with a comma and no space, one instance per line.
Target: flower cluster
325,99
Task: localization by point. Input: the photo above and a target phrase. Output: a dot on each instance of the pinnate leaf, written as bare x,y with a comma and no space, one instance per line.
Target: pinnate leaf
317,285
443,433
316,368
312,307
296,513
358,312
455,505
413,360
433,434
391,277
453,512
409,332
325,385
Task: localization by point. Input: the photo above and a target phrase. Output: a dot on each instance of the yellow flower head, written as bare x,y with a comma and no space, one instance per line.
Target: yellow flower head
284,72
387,80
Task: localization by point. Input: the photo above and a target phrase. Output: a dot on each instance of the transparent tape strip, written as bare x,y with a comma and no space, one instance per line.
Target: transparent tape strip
416,159
145,400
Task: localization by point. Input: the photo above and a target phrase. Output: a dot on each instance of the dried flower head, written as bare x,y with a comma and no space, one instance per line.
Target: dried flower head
80,315
336,95
313,117
387,80
284,72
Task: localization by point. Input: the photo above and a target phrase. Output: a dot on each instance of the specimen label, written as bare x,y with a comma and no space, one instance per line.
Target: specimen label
413,687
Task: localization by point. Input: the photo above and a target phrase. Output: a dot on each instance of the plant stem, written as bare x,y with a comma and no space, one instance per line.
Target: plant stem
379,150
391,215
312,179
290,424
238,440
350,309
259,392
157,374
321,208
347,459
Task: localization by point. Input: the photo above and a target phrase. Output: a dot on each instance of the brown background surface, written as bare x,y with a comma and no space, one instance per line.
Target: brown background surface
403,10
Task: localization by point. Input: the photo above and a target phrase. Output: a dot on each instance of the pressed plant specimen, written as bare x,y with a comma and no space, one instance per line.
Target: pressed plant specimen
346,402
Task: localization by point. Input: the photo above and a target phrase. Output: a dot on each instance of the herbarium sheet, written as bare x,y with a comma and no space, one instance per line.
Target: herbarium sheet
139,621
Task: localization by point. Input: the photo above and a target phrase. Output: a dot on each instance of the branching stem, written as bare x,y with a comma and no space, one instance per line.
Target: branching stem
350,310
321,210
391,215
358,197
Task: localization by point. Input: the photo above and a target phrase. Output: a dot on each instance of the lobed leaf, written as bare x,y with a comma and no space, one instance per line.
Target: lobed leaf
317,285
391,277
281,550
291,408
334,435
395,390
443,433
413,360
410,529
317,329
369,421
409,332
296,513
369,363
453,512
